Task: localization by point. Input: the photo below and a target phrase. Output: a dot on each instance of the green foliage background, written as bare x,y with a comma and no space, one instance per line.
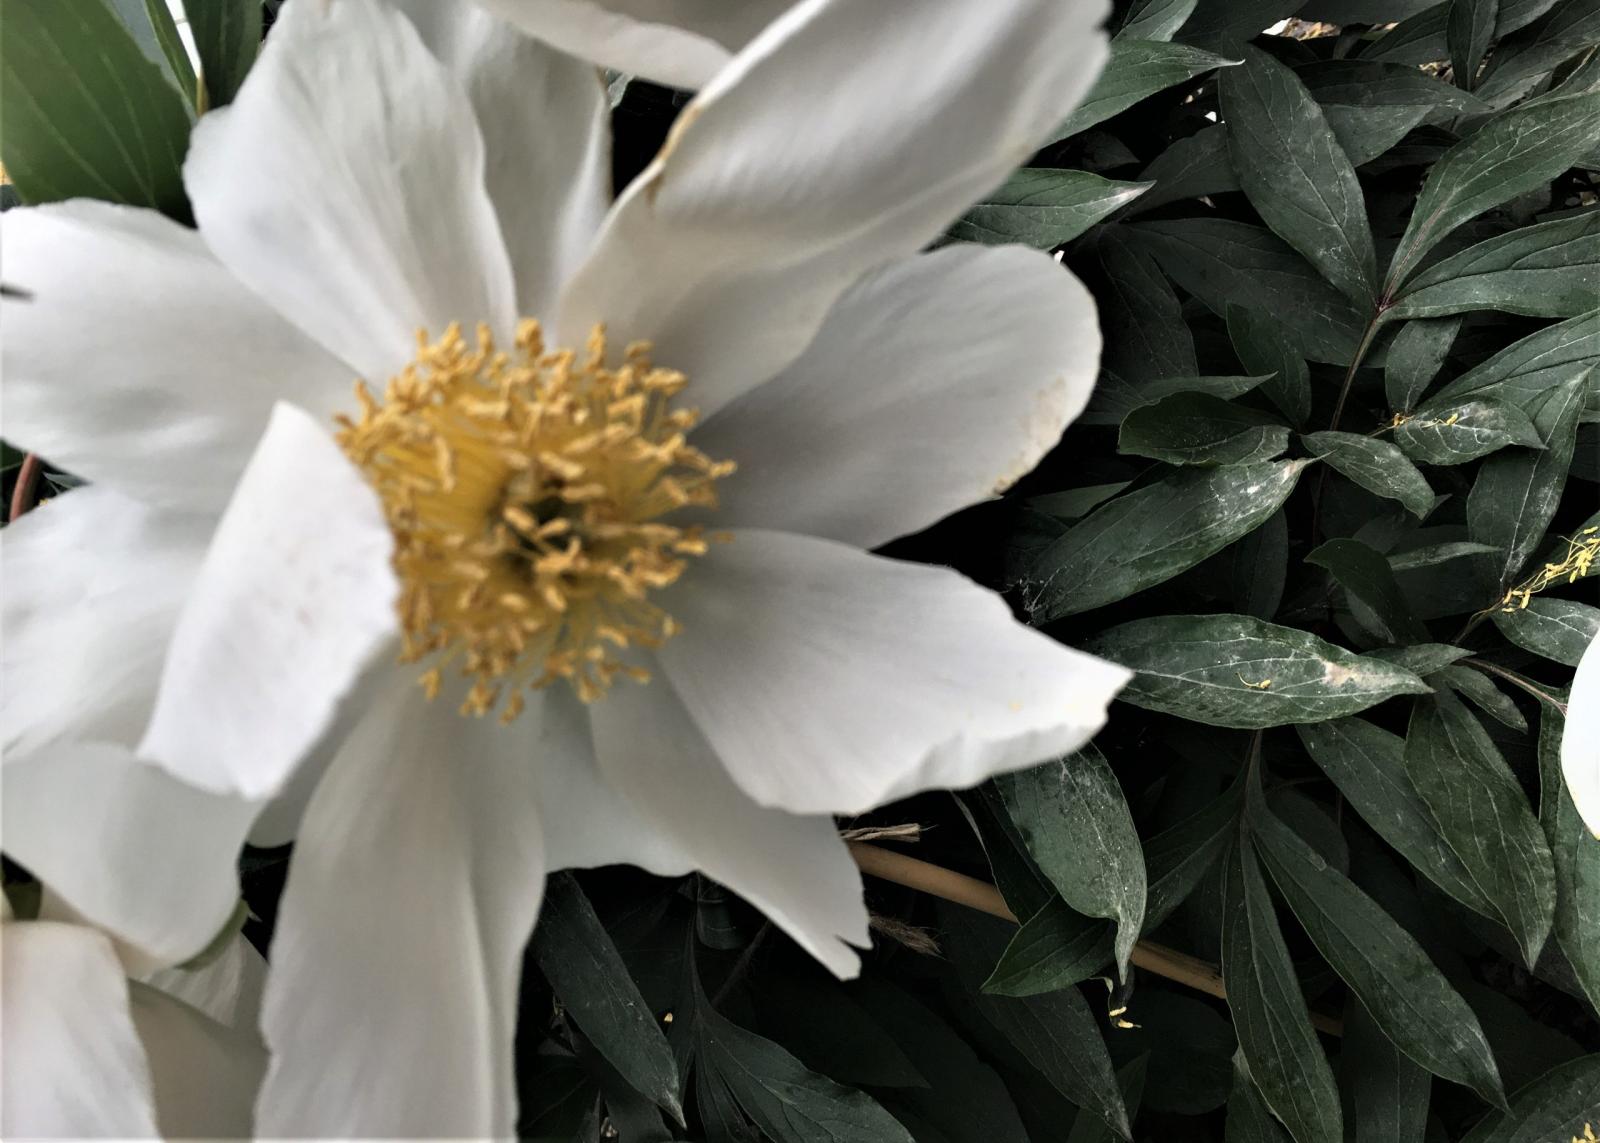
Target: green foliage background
1347,276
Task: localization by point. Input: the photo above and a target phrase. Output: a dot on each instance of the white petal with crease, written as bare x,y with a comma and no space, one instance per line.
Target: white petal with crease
1580,741
93,581
793,867
391,1005
935,383
295,597
138,361
831,681
127,847
678,42
775,191
73,1066
206,1074
345,184
546,135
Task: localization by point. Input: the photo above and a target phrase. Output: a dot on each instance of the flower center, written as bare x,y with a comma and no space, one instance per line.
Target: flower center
526,491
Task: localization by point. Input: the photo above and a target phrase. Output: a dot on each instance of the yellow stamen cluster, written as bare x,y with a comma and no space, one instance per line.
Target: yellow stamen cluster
1588,1135
1573,566
525,491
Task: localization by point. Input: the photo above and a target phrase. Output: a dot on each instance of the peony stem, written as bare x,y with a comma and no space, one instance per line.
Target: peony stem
937,881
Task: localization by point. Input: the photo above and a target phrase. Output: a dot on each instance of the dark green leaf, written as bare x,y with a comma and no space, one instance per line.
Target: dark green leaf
1257,567
1454,432
1479,689
1483,815
1398,984
1363,572
1417,39
158,18
587,973
1370,83
1149,536
1179,857
1261,350
1295,174
1075,503
1145,334
1191,167
1378,466
1548,270
1190,1046
1514,152
1421,658
1517,493
1058,1035
85,113
1368,765
1433,554
1364,133
1075,823
1021,884
1577,861
1415,357
1249,1118
964,1096
1558,629
1114,397
1556,1106
1269,1013
1525,371
1136,69
1043,208
1224,263
227,34
1090,1128
1517,14
1223,25
1232,670
1155,19
819,1019
1197,428
1469,25
788,1101
1520,64
1055,948
1388,1093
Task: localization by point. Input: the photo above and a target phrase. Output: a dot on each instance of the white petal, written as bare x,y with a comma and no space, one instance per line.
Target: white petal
847,134
137,361
1580,741
679,42
391,1004
126,846
345,185
295,597
227,988
792,867
664,805
206,1075
546,135
934,383
829,680
73,1066
93,584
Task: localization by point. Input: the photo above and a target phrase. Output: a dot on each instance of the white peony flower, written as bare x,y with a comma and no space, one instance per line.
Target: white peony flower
1580,739
633,532
91,1055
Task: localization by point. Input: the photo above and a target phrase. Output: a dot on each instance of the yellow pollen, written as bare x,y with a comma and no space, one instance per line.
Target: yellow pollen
525,490
1577,562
